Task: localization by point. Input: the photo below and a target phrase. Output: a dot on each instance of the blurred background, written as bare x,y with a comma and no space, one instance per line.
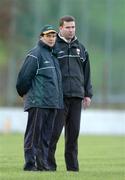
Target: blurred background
99,26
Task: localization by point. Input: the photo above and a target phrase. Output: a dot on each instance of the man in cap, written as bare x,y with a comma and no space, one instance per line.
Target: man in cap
39,83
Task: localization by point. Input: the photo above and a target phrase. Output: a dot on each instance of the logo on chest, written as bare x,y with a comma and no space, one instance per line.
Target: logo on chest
78,51
46,62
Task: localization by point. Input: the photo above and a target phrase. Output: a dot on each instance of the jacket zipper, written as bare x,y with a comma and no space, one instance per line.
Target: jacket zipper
69,69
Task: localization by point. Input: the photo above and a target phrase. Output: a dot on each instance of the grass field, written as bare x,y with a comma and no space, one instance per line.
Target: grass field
100,158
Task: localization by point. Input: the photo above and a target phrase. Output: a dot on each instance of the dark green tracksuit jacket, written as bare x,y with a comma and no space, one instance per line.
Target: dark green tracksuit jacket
40,79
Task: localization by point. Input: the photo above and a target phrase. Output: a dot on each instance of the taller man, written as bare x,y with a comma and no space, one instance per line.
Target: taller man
75,67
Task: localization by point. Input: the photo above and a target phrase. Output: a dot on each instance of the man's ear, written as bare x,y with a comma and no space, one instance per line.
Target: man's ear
60,27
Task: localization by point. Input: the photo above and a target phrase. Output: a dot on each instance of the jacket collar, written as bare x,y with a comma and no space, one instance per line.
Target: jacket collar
41,44
74,42
63,38
53,49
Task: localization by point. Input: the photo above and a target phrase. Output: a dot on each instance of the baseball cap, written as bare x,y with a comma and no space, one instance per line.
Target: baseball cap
48,29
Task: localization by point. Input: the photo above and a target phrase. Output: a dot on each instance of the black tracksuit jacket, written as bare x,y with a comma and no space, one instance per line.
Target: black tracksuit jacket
75,67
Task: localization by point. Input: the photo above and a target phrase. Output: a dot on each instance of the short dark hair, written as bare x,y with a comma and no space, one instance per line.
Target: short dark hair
67,19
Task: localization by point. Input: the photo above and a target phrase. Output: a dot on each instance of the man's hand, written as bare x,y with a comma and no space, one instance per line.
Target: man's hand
86,102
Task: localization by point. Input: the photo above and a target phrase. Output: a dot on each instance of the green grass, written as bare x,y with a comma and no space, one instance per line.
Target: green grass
100,158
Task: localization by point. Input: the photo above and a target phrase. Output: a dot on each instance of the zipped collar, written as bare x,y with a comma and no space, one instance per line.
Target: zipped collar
53,49
73,43
64,39
43,45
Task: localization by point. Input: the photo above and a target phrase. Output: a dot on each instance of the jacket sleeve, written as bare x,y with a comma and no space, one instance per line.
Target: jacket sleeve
26,74
87,77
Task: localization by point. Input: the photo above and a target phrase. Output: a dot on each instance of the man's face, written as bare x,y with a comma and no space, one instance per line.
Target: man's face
67,30
49,39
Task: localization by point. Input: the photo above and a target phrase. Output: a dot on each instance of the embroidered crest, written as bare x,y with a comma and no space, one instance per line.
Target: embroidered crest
78,51
46,62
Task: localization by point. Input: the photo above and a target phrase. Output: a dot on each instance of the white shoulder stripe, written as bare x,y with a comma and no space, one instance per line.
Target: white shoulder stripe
71,56
32,56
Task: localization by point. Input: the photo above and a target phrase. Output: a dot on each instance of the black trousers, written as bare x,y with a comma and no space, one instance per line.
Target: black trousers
70,119
37,136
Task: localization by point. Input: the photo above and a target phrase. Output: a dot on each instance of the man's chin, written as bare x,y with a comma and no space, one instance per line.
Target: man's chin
51,45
